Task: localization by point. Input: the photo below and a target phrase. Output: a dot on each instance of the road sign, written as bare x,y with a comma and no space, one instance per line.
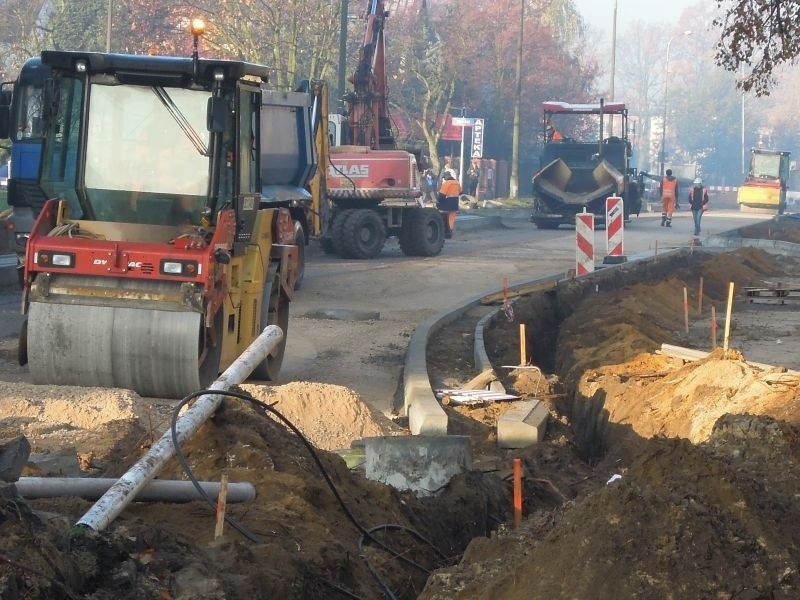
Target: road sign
477,139
462,121
584,243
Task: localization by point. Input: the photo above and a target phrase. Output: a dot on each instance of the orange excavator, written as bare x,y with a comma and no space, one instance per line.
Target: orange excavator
373,188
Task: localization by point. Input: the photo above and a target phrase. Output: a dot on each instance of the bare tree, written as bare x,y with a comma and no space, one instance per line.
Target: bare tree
757,36
20,34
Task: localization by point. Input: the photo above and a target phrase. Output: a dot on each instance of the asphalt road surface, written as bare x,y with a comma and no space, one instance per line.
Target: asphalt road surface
367,356
351,321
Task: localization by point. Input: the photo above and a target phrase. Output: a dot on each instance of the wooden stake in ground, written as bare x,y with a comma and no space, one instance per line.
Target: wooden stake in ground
728,320
700,299
222,502
523,346
685,310
517,492
713,327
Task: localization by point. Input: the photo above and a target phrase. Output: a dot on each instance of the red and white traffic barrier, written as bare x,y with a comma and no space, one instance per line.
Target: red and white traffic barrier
584,243
615,214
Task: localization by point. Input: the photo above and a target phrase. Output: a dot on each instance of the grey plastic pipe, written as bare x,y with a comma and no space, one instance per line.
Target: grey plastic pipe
158,490
122,493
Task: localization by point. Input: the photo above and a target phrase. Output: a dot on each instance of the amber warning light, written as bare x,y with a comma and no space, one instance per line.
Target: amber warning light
198,27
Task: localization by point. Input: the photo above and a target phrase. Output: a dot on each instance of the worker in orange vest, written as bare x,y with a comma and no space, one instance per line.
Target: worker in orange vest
669,193
447,201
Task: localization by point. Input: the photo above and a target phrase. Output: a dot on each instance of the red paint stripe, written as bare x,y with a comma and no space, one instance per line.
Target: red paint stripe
586,247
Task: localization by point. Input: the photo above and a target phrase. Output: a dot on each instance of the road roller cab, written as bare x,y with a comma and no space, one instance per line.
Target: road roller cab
153,263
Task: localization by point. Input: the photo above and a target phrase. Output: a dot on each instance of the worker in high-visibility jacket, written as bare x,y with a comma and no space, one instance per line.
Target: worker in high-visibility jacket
669,193
447,201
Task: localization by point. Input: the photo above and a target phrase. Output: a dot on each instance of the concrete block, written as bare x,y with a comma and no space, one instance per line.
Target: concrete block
14,455
523,425
63,463
422,464
426,416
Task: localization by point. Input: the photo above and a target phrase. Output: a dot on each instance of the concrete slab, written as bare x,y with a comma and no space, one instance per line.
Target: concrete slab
422,464
523,425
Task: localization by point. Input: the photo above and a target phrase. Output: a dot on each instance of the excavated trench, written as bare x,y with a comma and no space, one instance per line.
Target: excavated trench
660,476
565,323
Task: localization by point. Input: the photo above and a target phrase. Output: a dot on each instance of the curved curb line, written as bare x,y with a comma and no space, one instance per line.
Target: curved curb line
776,246
425,414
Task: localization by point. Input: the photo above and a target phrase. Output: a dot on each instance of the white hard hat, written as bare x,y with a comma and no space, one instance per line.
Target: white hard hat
698,181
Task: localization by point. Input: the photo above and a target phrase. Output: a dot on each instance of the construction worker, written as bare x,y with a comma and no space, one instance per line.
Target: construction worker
669,193
698,202
447,201
552,134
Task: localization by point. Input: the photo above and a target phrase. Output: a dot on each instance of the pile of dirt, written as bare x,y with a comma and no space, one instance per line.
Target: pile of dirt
684,521
305,544
673,478
332,417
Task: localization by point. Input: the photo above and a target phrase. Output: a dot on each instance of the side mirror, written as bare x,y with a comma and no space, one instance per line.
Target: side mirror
217,115
5,119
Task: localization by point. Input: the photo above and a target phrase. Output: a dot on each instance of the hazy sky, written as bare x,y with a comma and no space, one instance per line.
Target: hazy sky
600,13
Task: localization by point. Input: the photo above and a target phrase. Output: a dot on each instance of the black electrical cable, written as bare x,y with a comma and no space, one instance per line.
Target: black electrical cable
364,533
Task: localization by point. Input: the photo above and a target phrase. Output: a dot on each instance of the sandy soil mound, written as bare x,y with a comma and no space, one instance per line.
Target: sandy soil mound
685,401
37,407
330,416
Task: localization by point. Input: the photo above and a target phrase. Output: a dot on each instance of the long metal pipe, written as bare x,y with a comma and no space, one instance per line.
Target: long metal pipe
114,501
159,490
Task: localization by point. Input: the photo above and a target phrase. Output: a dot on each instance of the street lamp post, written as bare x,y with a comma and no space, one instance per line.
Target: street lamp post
664,117
108,25
342,56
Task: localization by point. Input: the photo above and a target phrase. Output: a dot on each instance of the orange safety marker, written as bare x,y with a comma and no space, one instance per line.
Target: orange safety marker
584,243
517,492
713,327
700,298
685,310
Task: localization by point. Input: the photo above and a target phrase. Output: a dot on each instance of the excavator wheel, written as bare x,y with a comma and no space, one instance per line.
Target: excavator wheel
422,233
363,234
337,233
163,353
274,311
